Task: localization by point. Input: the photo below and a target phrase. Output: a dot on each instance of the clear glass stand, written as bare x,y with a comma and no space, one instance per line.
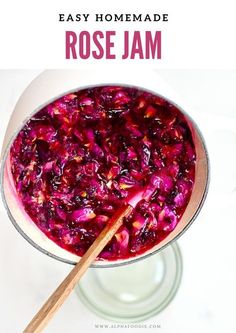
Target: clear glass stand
134,292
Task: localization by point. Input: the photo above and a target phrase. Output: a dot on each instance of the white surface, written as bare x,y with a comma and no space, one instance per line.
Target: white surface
206,299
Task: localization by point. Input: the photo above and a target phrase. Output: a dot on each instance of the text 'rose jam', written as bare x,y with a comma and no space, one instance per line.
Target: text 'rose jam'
78,158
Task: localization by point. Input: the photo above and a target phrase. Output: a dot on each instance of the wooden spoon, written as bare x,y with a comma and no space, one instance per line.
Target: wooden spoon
54,302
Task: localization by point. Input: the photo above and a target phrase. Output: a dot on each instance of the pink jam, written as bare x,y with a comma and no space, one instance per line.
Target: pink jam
76,160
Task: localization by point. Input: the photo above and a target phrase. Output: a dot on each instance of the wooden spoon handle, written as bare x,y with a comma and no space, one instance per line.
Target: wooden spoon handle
62,292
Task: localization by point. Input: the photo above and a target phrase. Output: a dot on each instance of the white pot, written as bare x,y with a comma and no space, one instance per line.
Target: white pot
52,84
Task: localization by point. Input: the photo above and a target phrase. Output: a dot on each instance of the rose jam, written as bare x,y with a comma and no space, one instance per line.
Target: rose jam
77,159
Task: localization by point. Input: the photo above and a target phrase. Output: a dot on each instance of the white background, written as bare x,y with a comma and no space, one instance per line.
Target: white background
206,299
199,34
